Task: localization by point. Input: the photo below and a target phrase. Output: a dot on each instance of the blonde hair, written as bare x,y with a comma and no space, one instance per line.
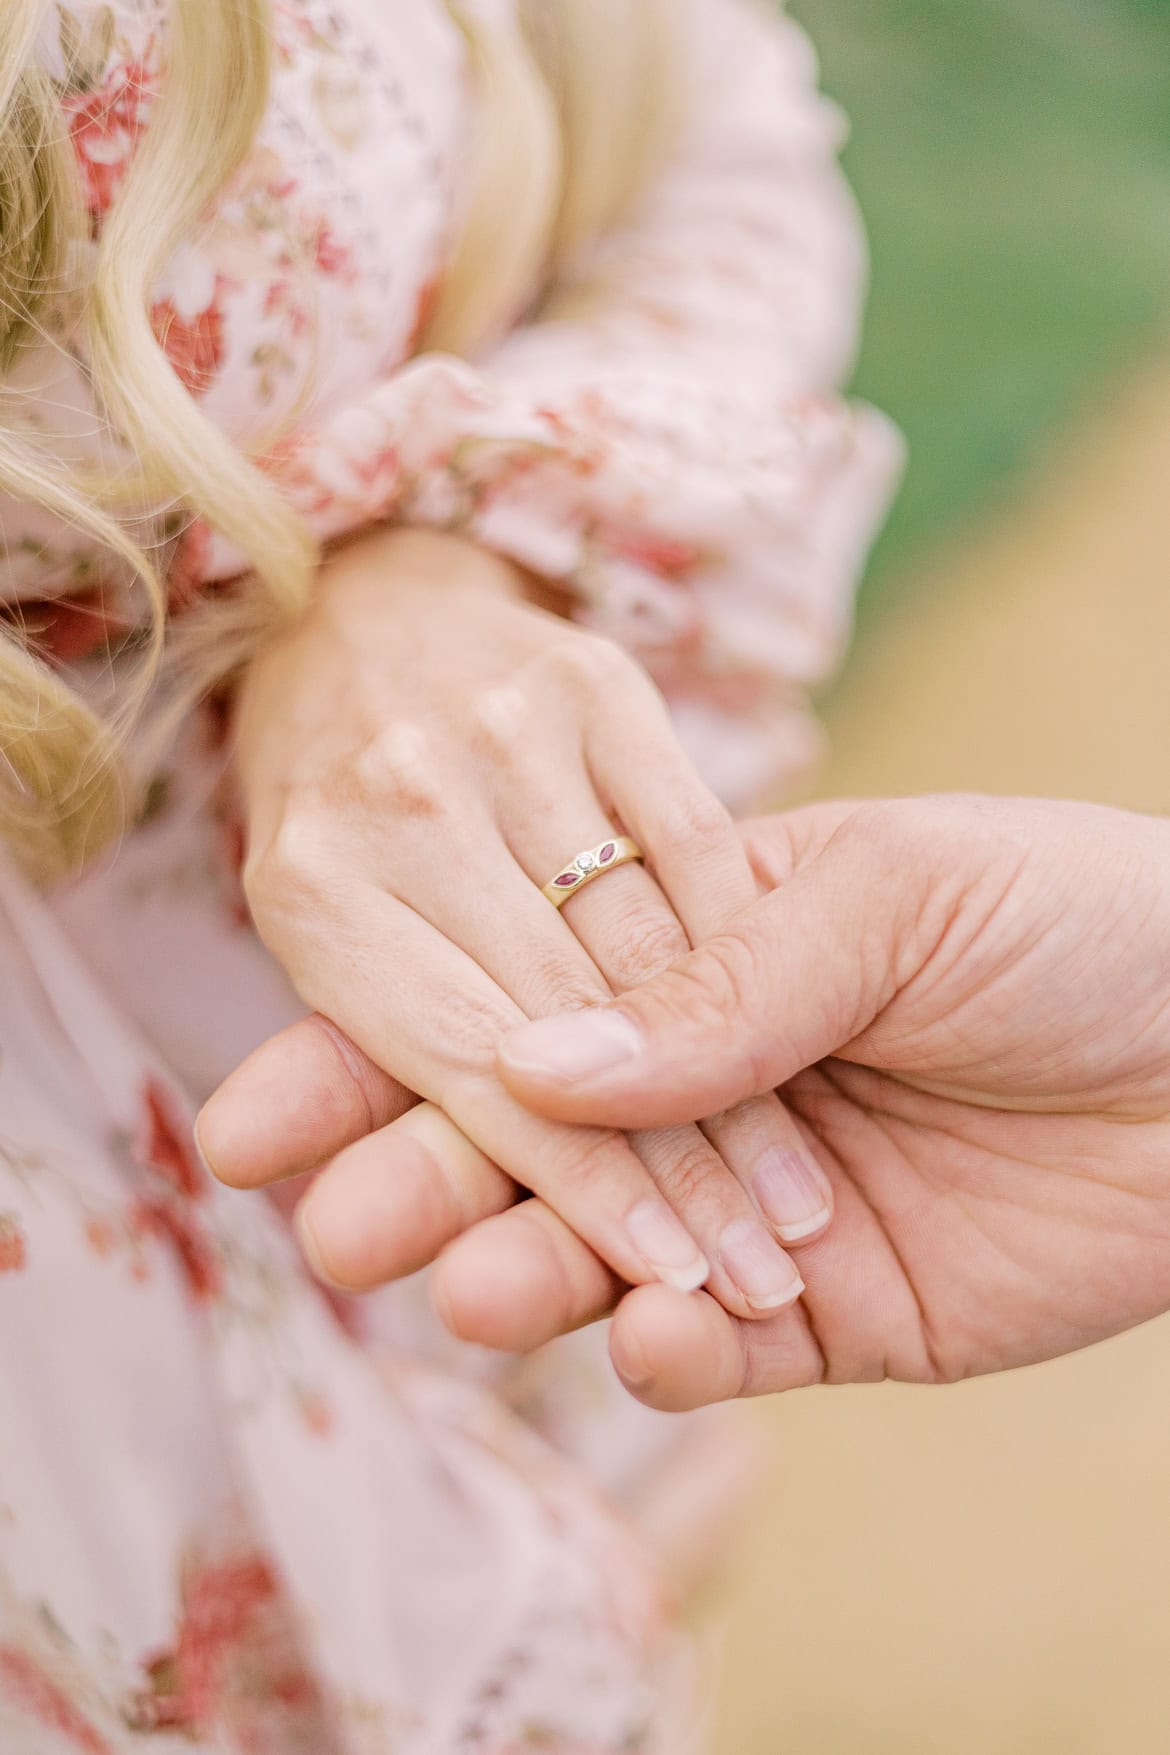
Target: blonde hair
575,106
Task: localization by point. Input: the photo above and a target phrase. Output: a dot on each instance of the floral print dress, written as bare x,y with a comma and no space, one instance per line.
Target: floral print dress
234,1515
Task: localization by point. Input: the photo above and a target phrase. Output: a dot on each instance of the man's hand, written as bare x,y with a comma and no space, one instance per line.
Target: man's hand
967,1003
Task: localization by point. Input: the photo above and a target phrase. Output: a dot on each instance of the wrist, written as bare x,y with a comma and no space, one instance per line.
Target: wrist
389,599
394,558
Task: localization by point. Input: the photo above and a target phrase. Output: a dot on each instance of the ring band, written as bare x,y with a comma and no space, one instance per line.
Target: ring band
593,863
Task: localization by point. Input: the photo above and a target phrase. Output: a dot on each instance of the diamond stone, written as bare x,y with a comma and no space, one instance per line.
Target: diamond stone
587,862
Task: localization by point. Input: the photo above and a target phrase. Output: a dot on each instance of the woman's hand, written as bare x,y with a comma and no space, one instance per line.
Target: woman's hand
419,757
985,986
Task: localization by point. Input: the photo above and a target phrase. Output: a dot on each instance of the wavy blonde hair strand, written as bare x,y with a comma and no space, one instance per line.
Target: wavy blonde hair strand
575,106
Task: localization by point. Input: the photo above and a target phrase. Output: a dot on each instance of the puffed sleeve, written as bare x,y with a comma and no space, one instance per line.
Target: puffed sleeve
671,447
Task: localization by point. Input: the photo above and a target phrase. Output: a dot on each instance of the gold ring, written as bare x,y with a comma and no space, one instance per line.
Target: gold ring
593,863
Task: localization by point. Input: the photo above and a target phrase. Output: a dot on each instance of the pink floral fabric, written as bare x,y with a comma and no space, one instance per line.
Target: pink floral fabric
671,449
233,1515
225,1521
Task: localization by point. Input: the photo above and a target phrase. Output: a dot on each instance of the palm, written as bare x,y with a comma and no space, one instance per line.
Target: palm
971,1240
999,1135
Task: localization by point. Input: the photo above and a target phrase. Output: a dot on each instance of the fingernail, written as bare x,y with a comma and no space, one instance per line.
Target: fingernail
761,1270
667,1246
791,1194
303,1227
574,1046
203,1158
629,1360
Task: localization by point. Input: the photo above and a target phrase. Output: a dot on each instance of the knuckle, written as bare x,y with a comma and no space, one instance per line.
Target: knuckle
291,869
471,1027
724,982
501,720
720,994
588,1157
742,992
564,989
642,942
589,662
690,1172
695,820
396,772
750,1113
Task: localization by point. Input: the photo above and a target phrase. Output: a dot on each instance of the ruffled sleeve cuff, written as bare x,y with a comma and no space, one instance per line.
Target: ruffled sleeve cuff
723,555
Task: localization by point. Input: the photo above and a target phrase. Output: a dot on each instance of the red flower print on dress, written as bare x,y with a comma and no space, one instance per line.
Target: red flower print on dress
221,1608
165,1146
377,478
332,257
286,302
356,475
658,553
293,29
172,1224
104,126
165,1143
234,1670
190,565
316,1411
292,461
13,1252
24,1682
193,344
67,629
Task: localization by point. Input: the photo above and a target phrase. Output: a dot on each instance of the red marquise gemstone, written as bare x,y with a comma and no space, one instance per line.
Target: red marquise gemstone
567,879
607,853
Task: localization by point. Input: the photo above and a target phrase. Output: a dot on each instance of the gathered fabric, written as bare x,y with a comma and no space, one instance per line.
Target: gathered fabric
236,1514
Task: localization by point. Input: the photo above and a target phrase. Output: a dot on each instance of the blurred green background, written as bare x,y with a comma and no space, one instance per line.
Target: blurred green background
1012,158
985,1569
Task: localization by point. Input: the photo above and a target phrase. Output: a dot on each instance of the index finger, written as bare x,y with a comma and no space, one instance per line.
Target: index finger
298,1099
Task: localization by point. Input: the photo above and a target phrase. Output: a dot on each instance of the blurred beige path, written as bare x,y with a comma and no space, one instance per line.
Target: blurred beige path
985,1570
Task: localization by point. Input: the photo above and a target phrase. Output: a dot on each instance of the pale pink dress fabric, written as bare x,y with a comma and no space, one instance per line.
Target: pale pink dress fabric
231,1515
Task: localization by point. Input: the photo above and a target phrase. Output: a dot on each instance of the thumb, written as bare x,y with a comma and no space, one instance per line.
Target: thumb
795,977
